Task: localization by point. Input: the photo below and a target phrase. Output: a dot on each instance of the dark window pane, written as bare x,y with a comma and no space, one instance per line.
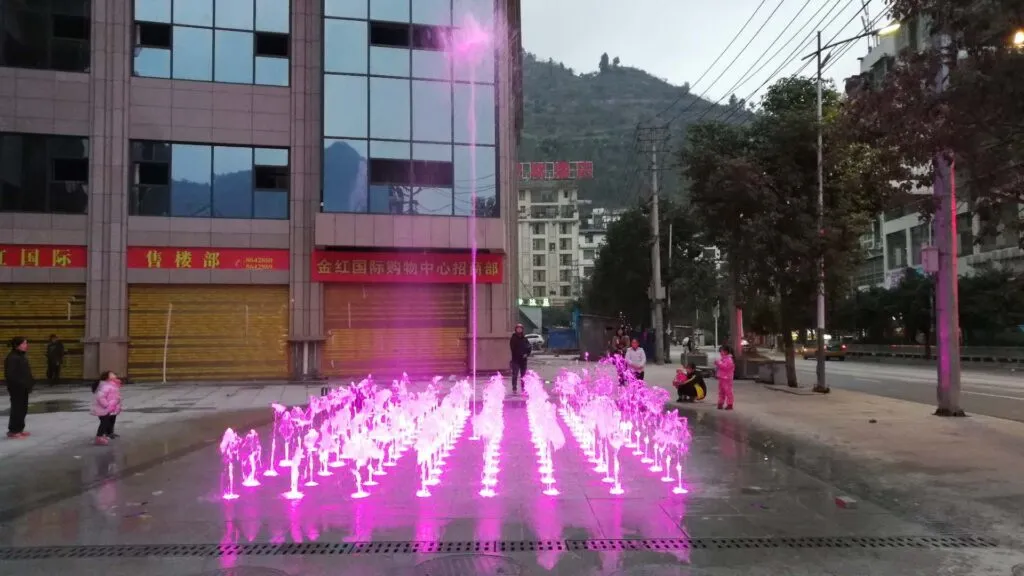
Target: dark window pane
153,173
345,170
153,151
67,170
191,190
68,147
271,177
232,182
25,37
68,197
71,7
388,171
152,201
153,35
72,27
69,55
270,204
269,44
430,37
389,34
433,174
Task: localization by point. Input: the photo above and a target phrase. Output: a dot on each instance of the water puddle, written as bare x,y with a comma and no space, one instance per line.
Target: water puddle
52,407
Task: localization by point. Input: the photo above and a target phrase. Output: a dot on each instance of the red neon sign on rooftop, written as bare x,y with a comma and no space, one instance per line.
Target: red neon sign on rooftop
561,170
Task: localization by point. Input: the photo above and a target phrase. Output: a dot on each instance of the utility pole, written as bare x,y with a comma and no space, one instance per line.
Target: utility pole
947,303
649,140
820,385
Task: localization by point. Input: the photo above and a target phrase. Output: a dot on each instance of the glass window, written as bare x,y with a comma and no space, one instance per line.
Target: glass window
270,204
431,111
270,156
476,172
436,12
346,8
193,12
345,106
434,152
476,67
47,174
232,182
271,71
389,149
273,16
480,12
35,34
394,199
153,10
345,46
237,14
190,180
233,57
346,170
389,108
193,53
389,61
389,10
430,64
152,62
474,114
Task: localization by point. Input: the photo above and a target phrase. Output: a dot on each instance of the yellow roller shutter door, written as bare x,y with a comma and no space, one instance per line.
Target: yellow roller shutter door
387,329
37,310
216,332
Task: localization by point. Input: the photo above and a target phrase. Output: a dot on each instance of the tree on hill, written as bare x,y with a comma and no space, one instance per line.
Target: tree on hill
603,65
615,62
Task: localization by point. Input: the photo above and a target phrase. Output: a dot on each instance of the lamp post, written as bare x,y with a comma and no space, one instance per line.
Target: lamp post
820,385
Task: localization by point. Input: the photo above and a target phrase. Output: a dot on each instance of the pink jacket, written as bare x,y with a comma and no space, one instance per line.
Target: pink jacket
107,400
726,369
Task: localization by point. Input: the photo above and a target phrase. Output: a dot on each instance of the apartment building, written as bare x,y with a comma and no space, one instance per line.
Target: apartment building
259,189
593,235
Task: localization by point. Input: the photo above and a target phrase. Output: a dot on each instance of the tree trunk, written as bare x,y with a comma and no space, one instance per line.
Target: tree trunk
787,339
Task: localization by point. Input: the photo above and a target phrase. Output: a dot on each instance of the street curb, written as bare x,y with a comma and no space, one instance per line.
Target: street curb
791,391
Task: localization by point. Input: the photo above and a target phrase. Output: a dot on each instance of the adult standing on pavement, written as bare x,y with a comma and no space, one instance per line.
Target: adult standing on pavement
636,359
18,377
520,349
54,359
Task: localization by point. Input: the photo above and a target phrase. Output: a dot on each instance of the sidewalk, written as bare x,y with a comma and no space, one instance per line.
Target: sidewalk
965,473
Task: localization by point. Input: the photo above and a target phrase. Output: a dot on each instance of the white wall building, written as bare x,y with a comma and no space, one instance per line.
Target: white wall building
549,235
593,235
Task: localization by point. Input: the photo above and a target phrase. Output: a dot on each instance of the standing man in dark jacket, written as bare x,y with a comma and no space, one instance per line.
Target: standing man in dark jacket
520,348
54,359
18,376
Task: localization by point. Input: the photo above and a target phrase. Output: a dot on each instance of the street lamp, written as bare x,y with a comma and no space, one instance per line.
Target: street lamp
820,385
1018,38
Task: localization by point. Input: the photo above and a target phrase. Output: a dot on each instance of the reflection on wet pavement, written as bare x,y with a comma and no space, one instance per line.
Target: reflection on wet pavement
737,492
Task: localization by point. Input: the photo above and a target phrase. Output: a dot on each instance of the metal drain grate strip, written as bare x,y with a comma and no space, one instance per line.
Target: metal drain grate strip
487,546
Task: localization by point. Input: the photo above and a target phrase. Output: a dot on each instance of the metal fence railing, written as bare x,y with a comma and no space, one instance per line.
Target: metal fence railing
994,354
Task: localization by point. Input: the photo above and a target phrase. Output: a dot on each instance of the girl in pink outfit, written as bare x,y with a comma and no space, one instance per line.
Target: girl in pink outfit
726,368
106,405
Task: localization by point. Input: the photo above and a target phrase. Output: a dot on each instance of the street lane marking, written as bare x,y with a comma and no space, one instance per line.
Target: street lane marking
1017,398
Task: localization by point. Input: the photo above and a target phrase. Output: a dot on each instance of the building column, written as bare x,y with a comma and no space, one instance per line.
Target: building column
306,328
106,330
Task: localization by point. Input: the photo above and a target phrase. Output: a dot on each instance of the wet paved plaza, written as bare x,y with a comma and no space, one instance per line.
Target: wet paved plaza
746,513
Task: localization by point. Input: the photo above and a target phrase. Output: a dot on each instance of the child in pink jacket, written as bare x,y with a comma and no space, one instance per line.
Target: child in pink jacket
106,405
726,368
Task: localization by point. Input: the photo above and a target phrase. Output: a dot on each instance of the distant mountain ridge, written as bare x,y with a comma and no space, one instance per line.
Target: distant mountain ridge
592,116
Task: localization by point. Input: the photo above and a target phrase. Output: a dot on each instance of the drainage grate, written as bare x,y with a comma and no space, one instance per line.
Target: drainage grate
487,547
475,564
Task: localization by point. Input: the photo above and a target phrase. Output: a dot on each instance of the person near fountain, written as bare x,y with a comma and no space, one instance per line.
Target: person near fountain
106,405
18,376
54,359
520,348
725,370
636,359
689,384
617,349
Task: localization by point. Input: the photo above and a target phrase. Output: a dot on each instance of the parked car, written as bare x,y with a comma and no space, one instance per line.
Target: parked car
833,351
536,341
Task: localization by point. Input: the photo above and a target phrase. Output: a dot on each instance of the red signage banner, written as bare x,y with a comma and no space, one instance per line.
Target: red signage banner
39,256
560,170
405,267
207,258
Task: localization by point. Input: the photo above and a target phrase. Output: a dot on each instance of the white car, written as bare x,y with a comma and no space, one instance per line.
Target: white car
536,341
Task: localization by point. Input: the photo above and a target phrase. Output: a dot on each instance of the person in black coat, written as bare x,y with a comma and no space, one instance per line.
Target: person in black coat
520,349
54,359
18,377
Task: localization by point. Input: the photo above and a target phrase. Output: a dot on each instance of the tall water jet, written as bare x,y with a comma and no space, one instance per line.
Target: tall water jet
250,454
229,455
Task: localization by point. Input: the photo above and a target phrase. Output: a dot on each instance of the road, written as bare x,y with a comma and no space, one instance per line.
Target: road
997,394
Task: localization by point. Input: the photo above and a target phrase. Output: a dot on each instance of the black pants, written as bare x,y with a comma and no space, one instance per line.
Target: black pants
19,408
53,372
518,366
106,425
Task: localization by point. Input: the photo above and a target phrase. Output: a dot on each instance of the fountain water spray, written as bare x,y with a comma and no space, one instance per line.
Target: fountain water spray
229,444
489,425
250,454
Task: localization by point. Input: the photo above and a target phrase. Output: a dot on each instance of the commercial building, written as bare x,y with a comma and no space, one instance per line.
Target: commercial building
593,235
549,227
254,189
899,236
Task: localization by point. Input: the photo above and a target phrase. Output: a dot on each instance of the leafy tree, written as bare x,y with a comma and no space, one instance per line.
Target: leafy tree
622,272
754,189
603,65
991,304
615,62
978,120
911,304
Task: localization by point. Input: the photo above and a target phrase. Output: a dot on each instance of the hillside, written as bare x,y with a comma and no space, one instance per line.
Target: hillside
593,116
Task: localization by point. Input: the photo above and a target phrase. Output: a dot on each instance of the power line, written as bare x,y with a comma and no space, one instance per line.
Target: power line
734,59
713,64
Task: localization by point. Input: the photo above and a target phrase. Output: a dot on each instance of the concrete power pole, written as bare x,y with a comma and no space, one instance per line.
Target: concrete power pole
947,301
650,141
